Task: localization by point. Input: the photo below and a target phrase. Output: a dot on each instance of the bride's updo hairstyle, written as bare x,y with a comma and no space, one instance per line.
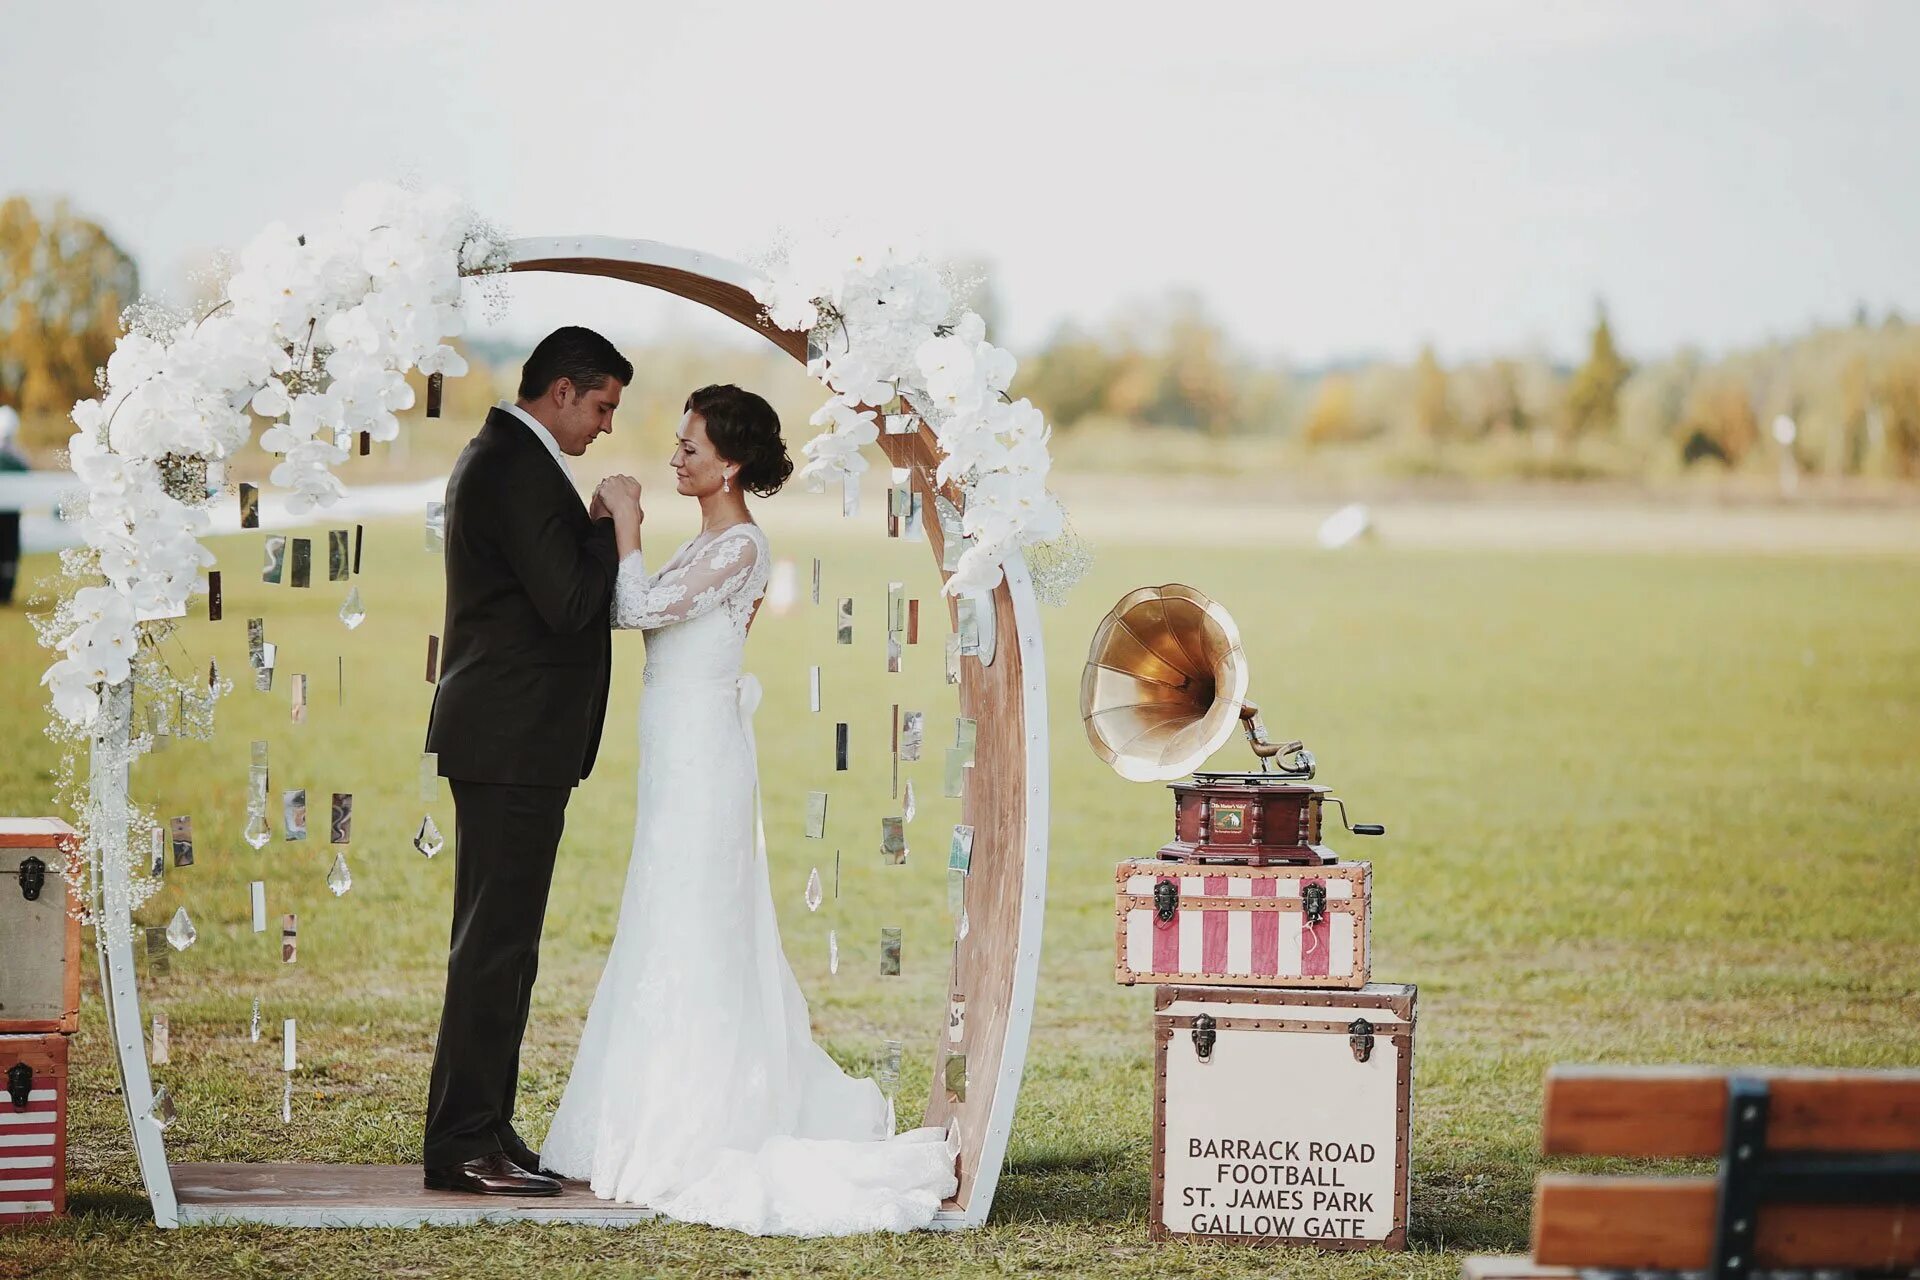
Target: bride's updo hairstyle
744,430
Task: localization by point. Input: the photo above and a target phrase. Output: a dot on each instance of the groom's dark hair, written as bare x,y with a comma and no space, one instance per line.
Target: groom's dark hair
579,355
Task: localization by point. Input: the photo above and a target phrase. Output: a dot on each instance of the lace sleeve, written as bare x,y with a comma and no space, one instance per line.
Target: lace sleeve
723,568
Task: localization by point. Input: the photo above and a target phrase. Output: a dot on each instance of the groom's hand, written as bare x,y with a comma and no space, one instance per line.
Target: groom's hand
597,509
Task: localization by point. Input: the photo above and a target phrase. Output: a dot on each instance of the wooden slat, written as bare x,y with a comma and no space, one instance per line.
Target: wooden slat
33,833
345,1195
1681,1111
729,300
1666,1224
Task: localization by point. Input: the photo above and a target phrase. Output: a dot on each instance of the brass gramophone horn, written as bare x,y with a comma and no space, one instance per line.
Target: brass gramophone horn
1165,683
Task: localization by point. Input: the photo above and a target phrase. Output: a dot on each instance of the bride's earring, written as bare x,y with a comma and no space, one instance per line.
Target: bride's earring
726,483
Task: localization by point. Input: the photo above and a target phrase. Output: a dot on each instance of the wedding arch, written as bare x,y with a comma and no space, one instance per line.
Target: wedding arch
949,427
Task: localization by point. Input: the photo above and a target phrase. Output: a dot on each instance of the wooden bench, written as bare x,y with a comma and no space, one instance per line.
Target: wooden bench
1818,1170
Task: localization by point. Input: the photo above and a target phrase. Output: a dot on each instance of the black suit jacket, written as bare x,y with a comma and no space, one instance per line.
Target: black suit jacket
528,645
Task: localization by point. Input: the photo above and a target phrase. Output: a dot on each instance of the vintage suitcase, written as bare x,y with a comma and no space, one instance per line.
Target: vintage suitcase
1282,1117
40,967
1276,926
33,1127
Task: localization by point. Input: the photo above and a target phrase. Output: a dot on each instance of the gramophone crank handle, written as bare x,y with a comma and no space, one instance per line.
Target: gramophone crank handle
1358,829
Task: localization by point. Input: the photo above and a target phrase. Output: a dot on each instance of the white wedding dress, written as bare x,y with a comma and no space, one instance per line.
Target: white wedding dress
697,1089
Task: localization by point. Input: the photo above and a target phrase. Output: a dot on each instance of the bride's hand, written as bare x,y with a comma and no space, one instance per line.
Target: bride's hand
618,496
621,496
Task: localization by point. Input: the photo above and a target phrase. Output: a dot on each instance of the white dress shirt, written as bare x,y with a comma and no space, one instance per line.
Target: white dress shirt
541,434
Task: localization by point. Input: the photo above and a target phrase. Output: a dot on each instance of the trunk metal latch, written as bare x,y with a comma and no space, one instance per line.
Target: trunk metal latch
1166,901
20,1084
1313,902
1360,1039
1204,1034
33,877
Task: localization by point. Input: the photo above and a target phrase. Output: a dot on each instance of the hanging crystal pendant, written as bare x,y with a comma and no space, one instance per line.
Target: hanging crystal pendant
339,879
286,1102
886,1066
253,1023
429,841
180,930
966,925
833,951
906,804
815,893
353,612
162,1113
258,832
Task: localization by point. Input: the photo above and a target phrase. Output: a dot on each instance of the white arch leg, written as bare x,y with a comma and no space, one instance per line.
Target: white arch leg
113,940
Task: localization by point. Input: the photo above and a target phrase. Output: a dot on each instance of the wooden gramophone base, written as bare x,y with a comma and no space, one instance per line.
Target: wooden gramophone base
1315,855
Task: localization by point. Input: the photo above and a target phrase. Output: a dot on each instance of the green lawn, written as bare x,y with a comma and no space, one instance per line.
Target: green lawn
1642,808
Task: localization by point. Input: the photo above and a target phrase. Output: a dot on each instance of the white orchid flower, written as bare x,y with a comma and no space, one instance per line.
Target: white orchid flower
104,474
75,690
443,359
845,415
977,571
110,652
271,400
996,364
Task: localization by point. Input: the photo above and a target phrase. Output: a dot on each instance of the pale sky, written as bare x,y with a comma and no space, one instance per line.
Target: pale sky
1332,180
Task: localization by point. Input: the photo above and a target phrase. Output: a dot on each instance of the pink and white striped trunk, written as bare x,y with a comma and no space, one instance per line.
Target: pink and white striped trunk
1245,925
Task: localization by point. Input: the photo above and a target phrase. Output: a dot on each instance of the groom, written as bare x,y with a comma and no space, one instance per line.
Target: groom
516,722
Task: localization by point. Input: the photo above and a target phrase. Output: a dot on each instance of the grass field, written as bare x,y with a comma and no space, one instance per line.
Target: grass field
1642,808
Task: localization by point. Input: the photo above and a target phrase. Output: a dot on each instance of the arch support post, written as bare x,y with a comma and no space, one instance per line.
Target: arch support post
112,905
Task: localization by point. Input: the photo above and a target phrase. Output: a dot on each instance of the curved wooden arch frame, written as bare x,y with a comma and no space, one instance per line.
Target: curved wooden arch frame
1006,802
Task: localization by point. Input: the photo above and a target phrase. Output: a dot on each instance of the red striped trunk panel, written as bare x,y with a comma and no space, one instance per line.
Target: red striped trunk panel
1213,929
1266,930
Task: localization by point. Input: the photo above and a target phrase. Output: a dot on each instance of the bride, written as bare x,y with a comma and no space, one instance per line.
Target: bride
697,1089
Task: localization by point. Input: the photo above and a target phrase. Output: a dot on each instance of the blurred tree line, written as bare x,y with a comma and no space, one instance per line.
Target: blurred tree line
1852,392
1163,371
63,283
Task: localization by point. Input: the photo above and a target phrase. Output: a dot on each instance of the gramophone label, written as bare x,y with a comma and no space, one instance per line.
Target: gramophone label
1323,1162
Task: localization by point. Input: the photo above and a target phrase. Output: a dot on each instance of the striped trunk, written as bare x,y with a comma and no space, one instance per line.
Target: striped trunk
33,1137
1254,926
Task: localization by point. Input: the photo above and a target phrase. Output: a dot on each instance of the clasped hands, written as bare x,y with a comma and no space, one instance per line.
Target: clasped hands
618,498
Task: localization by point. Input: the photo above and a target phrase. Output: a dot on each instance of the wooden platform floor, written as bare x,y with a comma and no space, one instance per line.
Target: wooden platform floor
362,1195
388,1195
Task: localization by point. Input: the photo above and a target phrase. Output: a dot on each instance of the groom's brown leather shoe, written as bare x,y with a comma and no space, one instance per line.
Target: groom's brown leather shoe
490,1175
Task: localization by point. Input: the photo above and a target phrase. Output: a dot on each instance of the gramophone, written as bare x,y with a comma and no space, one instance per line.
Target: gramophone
1164,686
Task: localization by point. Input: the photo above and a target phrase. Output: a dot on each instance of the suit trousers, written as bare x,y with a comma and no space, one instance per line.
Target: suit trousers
505,838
